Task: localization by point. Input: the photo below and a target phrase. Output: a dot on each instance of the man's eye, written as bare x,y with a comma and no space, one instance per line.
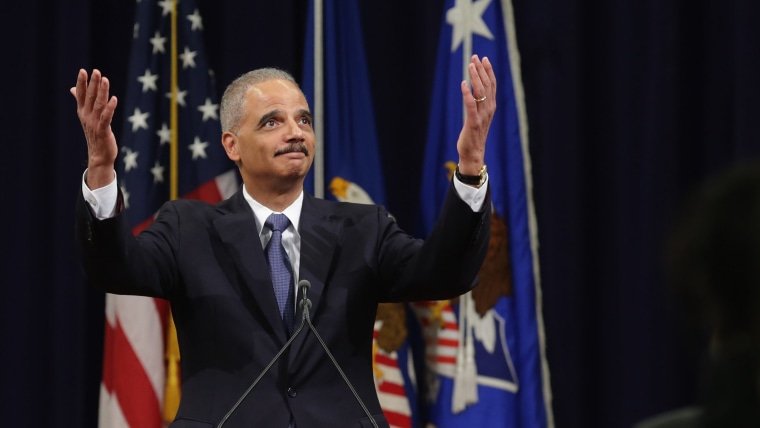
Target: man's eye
306,120
270,122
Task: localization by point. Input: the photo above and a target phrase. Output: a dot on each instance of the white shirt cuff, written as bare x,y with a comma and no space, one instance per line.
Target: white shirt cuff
474,197
102,200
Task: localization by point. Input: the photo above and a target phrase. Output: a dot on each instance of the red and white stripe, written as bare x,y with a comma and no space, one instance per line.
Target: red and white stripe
441,336
132,388
389,383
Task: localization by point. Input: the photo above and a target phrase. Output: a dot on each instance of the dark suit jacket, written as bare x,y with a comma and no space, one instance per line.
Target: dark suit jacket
208,262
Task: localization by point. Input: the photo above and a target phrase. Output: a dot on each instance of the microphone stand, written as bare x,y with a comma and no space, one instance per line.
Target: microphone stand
271,363
305,319
306,304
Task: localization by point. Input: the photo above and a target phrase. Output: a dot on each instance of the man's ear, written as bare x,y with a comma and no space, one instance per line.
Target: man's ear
230,143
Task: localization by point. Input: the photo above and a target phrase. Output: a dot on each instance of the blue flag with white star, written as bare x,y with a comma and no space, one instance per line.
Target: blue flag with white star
485,352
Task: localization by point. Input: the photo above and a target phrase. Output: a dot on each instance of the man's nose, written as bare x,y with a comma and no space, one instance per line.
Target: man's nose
294,131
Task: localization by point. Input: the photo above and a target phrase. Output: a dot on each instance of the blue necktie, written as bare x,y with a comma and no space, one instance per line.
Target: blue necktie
280,269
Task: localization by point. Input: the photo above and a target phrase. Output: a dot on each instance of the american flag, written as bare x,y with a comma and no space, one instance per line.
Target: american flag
134,366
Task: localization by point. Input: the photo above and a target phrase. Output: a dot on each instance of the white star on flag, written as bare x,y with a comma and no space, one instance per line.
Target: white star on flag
125,196
467,18
164,134
158,43
180,97
158,173
130,159
139,120
188,58
198,148
166,7
209,110
195,19
148,81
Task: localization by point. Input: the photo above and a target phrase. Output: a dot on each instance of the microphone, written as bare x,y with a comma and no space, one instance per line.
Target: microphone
305,303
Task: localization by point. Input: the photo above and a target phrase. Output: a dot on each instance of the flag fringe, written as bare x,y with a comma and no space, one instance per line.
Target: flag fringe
466,377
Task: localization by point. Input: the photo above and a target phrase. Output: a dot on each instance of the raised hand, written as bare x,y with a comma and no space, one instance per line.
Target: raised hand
480,105
95,111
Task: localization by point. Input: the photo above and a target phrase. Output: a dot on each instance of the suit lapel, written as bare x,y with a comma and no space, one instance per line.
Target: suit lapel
237,230
319,233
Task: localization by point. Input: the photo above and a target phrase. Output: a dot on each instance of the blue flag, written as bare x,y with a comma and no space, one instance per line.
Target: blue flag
350,138
353,173
485,352
134,367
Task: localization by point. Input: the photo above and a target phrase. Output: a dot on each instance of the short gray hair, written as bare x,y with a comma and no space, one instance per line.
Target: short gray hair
232,108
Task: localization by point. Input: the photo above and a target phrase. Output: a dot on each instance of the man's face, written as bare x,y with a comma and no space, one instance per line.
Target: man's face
275,141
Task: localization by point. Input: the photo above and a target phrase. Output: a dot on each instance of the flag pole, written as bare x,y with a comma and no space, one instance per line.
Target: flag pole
173,113
319,164
172,386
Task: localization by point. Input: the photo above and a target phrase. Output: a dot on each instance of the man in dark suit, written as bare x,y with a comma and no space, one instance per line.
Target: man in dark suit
213,262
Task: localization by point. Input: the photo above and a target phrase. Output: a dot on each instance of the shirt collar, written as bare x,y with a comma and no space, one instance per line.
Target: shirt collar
260,212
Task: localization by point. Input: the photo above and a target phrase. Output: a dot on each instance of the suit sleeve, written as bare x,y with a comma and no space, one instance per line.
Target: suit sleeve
446,264
114,261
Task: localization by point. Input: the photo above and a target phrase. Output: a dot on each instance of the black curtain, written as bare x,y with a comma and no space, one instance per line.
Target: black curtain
630,104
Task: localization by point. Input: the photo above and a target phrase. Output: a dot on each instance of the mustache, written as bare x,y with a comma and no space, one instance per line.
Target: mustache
293,147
